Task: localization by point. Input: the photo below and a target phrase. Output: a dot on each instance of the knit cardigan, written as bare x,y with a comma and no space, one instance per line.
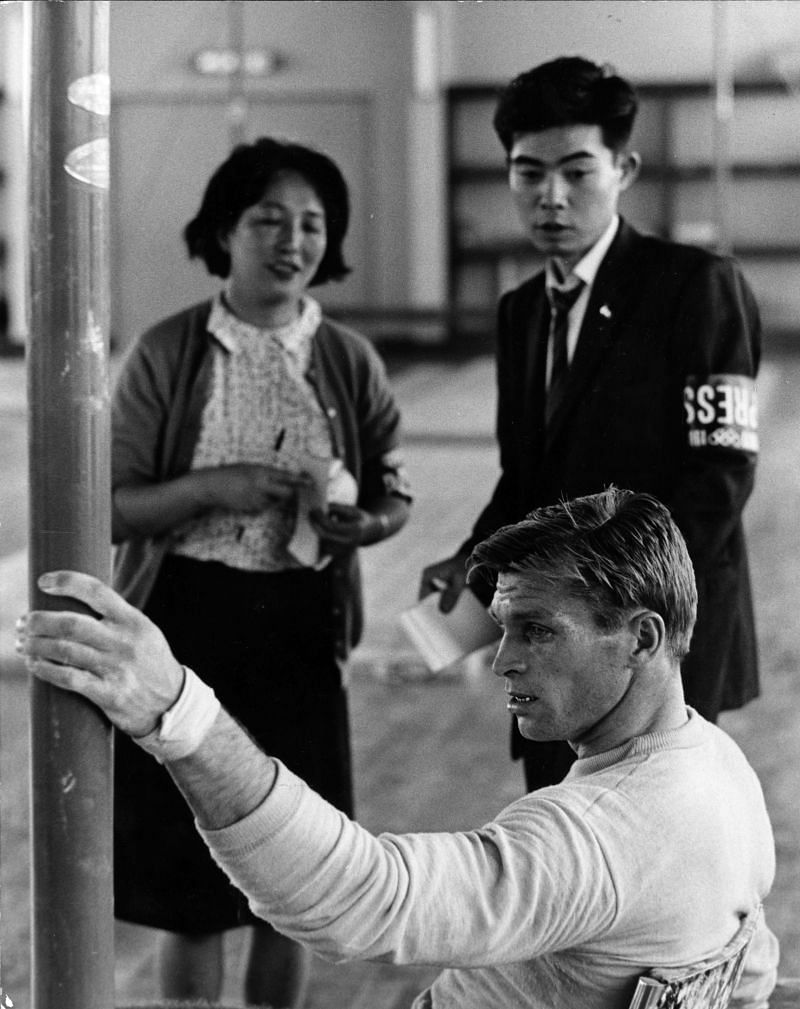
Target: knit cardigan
156,416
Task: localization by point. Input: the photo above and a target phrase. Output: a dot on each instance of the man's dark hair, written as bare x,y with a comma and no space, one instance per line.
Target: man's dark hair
240,182
565,92
618,550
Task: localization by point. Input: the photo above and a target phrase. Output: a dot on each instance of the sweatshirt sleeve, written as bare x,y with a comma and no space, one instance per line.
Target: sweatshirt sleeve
531,881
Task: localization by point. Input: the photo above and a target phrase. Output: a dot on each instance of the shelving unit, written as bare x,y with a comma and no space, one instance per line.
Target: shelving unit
673,197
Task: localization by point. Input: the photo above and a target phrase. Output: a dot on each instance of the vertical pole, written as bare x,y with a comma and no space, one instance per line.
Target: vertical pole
237,94
723,119
71,782
426,160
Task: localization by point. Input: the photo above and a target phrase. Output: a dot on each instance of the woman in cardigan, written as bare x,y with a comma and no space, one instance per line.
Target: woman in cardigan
255,449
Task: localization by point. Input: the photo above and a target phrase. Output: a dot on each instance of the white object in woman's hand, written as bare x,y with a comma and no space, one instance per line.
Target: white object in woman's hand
341,486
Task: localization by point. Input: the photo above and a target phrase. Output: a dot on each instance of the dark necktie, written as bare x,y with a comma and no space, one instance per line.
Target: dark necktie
561,302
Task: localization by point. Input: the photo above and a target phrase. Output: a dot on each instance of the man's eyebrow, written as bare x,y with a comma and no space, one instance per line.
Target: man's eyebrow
522,617
526,160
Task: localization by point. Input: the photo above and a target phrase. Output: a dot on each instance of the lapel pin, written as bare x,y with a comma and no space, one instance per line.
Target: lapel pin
605,311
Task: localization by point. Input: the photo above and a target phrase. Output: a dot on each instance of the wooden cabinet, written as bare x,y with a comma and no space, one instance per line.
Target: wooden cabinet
673,197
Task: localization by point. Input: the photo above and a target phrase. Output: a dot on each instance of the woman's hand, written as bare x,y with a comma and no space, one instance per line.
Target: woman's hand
345,527
157,508
249,487
115,656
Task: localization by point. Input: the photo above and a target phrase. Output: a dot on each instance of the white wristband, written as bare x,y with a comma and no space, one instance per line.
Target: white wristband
184,726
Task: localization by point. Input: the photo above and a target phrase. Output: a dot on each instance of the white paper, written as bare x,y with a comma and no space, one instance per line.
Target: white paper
330,482
444,638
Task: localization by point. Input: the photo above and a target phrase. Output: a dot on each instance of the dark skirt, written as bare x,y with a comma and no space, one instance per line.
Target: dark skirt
265,643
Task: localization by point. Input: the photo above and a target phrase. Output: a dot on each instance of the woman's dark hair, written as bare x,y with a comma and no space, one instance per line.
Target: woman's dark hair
567,91
241,181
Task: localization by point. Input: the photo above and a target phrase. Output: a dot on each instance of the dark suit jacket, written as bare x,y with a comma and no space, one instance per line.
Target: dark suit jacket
660,399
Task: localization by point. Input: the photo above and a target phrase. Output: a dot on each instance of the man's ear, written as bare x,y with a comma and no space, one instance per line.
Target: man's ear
629,165
650,635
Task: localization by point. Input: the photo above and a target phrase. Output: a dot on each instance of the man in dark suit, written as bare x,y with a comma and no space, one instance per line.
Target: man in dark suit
628,360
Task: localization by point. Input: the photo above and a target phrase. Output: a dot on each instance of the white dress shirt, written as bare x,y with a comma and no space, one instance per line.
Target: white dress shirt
585,270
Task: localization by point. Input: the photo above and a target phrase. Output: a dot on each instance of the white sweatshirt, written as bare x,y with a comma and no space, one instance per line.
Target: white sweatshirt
647,855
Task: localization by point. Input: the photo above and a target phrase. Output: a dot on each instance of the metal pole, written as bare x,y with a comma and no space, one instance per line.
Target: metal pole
237,94
71,781
723,119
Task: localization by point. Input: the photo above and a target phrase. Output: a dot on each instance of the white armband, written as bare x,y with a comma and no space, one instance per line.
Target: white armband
721,411
184,726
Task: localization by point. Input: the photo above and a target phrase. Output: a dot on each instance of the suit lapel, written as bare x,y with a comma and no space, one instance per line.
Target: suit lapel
612,288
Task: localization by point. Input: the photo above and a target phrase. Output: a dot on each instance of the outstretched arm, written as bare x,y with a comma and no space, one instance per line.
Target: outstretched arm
305,867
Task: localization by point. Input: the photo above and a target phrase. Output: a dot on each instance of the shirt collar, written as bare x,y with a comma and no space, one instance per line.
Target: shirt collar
229,330
586,268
